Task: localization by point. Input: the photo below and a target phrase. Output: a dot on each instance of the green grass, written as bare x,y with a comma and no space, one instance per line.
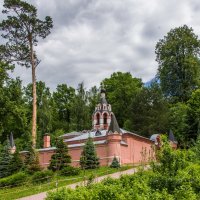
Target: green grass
30,189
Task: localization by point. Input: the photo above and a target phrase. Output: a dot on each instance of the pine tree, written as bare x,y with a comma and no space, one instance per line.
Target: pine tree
115,163
89,159
61,158
21,32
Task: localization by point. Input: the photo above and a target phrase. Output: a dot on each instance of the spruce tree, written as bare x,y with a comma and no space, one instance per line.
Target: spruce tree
31,162
5,161
89,159
61,158
16,162
115,163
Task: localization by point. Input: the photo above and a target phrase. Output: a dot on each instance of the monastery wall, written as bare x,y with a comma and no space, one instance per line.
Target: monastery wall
136,151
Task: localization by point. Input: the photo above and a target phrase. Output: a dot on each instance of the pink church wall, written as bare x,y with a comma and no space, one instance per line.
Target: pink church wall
126,148
114,147
135,151
75,154
101,150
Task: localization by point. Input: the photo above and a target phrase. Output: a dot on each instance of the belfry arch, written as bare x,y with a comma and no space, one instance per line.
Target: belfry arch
98,119
105,118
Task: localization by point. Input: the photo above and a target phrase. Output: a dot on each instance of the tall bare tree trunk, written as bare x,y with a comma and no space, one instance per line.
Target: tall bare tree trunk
34,115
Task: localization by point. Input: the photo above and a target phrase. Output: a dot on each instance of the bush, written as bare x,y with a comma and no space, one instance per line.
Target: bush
159,182
13,180
115,163
185,192
42,176
70,171
190,175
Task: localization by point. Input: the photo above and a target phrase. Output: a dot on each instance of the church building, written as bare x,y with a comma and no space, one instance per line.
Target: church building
109,139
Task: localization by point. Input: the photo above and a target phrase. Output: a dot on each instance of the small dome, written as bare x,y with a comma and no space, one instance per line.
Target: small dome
154,137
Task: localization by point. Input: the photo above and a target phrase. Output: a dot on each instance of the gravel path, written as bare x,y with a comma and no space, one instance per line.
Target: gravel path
42,195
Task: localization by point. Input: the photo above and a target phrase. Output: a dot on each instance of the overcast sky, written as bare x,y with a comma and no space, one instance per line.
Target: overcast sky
91,39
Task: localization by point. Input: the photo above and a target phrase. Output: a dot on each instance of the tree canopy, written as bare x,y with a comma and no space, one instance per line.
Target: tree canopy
179,66
120,91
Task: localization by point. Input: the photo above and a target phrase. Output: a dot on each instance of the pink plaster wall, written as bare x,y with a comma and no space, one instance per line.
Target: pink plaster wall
138,150
101,150
45,157
128,153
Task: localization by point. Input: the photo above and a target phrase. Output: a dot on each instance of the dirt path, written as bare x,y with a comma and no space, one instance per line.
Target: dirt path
42,195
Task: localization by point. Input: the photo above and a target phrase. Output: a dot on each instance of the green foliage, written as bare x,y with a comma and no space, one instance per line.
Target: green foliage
185,192
193,117
42,176
115,163
16,162
190,175
21,32
121,89
89,159
90,180
148,112
145,185
63,98
170,160
178,121
31,162
14,180
196,150
44,109
69,171
12,110
5,161
57,133
22,29
81,118
9,163
179,66
61,158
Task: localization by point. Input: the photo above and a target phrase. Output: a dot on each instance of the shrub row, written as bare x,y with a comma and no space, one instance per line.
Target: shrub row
14,180
38,177
42,176
143,185
70,171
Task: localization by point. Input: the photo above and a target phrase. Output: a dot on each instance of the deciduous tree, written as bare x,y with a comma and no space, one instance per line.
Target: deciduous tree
179,66
193,117
121,88
148,112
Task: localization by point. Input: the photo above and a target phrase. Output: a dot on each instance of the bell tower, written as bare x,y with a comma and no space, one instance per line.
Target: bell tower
101,117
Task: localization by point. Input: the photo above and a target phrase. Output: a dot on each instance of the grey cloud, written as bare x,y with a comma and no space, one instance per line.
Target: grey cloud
92,39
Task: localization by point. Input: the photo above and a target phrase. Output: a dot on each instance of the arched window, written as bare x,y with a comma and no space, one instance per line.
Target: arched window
98,119
105,116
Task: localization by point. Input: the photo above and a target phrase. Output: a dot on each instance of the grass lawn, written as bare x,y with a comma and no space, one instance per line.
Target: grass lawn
30,189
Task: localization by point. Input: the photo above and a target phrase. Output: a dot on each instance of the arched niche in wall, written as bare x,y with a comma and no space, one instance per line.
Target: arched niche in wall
98,118
105,118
